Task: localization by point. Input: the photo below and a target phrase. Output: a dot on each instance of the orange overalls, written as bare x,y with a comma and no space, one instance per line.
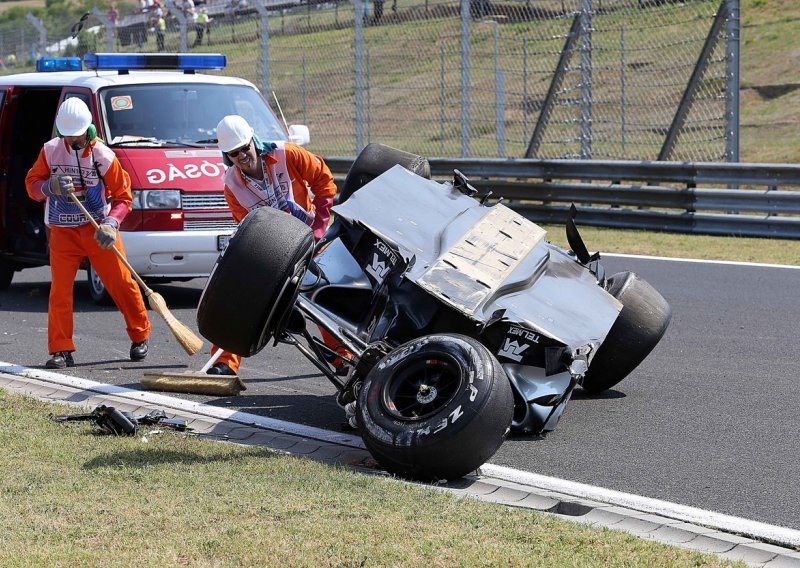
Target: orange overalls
288,167
99,179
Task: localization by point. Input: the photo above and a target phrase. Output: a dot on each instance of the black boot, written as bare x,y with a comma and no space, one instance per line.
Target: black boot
139,350
220,369
60,360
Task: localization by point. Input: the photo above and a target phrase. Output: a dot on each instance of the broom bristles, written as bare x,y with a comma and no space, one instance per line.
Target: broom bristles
206,384
185,336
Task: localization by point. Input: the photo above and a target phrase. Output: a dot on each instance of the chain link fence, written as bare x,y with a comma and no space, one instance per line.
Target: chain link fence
599,79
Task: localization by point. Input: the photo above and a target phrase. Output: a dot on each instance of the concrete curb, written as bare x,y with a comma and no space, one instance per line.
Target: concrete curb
756,544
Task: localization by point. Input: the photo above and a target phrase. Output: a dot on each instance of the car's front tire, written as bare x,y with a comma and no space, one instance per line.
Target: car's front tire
436,407
254,284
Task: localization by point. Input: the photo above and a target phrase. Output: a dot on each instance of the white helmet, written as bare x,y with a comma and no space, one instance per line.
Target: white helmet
73,118
233,132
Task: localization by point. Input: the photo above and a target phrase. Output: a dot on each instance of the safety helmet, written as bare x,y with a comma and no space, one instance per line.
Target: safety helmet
73,118
233,132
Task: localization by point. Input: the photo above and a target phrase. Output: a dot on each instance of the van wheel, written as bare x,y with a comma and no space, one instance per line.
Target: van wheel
97,290
6,274
254,284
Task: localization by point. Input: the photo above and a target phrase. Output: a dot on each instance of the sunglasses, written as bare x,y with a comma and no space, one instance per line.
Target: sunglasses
235,153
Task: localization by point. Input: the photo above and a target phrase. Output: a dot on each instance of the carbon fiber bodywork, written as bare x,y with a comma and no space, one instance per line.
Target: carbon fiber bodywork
409,257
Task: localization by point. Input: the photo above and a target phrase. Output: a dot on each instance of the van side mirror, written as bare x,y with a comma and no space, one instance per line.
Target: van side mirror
299,134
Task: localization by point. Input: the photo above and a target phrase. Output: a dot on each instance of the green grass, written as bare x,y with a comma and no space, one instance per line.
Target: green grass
69,497
746,249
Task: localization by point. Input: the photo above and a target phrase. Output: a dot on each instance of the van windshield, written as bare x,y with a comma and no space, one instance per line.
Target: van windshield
182,113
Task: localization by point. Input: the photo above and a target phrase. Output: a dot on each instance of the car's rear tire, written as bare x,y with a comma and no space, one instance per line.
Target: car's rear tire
640,326
254,284
436,407
376,159
97,290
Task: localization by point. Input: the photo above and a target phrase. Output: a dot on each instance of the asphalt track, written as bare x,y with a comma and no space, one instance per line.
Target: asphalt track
709,420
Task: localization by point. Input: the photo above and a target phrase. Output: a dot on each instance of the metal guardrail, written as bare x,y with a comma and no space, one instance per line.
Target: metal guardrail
656,196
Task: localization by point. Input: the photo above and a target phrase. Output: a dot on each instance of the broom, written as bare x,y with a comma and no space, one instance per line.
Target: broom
195,382
185,336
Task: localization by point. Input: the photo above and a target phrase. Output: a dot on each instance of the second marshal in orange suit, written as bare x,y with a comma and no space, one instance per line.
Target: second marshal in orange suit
282,175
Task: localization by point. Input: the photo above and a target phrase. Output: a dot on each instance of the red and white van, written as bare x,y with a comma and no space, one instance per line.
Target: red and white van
159,115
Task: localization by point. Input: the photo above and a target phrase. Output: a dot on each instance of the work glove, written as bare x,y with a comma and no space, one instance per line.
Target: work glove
58,185
293,209
296,211
106,233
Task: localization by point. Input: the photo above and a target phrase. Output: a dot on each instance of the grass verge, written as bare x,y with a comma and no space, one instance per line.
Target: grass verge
71,498
746,249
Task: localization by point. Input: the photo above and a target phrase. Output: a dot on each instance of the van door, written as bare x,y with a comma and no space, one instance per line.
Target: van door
28,124
3,170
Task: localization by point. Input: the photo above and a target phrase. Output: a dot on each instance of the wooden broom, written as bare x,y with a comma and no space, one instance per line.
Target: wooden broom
185,336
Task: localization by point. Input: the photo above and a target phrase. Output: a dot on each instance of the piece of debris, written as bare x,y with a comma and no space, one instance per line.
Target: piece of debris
118,423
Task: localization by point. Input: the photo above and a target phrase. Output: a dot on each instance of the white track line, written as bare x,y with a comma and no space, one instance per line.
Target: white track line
700,260
781,535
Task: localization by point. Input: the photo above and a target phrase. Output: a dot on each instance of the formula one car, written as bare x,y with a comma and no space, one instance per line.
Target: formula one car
463,322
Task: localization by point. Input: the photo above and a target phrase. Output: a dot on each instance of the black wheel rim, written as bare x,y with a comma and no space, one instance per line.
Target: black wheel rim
422,387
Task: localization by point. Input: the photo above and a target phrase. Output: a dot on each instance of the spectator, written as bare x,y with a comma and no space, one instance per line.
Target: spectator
200,26
376,18
161,31
11,60
112,15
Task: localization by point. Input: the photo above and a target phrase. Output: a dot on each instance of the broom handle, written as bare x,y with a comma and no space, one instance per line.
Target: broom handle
147,291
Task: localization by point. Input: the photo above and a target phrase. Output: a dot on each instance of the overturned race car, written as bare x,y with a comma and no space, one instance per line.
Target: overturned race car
463,322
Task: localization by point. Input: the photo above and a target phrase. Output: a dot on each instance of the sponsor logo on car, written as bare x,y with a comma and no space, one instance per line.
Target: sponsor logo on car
383,260
514,347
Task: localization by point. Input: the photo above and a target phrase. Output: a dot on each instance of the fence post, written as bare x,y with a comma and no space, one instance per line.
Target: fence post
181,17
586,79
106,23
525,101
263,19
499,94
465,85
359,53
622,109
732,29
37,23
305,91
555,85
441,98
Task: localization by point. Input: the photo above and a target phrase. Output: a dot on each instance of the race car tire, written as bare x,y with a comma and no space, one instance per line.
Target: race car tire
374,160
436,407
97,290
254,284
639,327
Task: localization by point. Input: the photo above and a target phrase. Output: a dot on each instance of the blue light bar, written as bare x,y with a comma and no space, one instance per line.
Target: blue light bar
179,61
49,64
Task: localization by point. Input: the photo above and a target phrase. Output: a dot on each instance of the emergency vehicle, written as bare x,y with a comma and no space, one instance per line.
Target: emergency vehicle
159,116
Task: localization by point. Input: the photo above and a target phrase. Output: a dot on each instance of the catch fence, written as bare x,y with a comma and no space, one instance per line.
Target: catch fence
564,79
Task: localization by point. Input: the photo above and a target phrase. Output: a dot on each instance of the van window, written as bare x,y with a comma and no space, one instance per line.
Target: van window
183,112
